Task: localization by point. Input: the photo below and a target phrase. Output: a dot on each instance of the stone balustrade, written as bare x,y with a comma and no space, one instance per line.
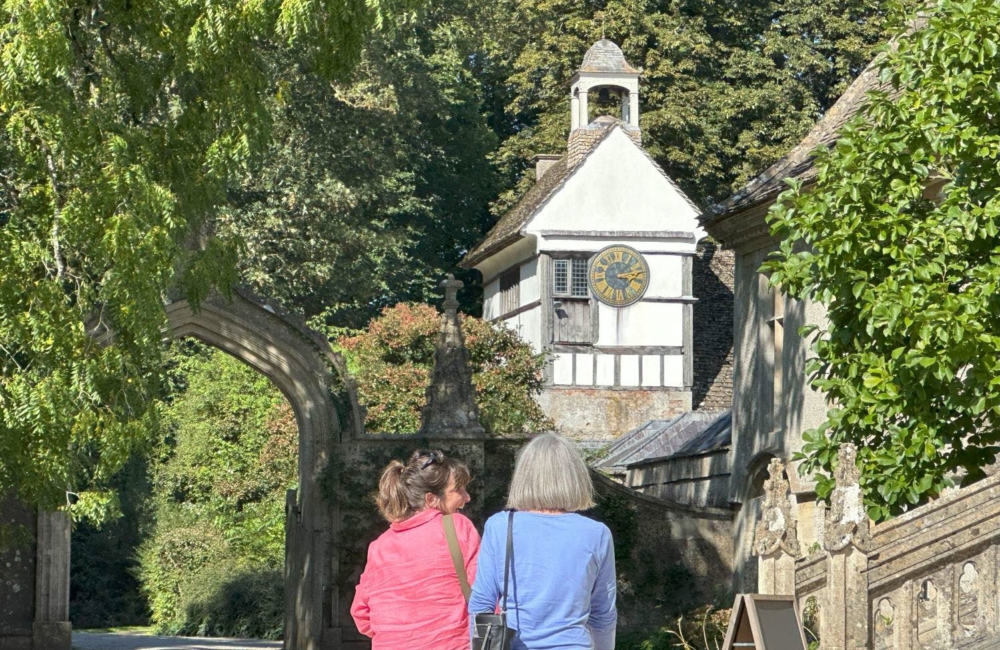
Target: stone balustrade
925,580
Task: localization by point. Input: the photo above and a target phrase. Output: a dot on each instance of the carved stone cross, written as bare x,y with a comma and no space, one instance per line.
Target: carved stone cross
451,287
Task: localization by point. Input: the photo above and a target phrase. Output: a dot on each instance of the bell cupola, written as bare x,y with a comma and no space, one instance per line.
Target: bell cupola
605,85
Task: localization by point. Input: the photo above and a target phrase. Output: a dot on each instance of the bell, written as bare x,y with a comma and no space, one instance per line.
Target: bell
605,98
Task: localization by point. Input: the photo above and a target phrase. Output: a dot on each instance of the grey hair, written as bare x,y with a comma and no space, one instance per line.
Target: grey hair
550,475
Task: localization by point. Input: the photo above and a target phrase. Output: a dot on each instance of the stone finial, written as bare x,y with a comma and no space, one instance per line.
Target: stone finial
777,528
451,287
847,521
451,410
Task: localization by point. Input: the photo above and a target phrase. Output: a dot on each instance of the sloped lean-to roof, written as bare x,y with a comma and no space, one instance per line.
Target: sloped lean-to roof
798,164
508,229
689,434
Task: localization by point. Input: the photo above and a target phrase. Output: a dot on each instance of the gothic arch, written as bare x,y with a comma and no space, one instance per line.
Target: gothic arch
301,364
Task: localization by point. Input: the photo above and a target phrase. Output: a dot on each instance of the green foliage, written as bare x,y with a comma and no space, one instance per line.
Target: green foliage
727,88
15,537
121,126
104,589
219,478
899,241
375,185
392,362
703,628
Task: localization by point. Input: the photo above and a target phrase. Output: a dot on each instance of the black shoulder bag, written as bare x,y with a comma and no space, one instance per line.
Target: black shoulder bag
492,632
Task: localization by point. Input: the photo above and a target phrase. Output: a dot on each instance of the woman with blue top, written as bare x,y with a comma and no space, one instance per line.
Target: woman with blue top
561,591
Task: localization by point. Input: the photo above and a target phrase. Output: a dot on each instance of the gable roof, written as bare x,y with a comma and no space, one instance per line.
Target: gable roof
799,163
507,230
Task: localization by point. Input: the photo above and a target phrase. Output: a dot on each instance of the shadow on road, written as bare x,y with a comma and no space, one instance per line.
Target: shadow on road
126,641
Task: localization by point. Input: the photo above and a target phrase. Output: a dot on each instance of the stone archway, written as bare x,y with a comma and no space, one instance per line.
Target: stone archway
300,363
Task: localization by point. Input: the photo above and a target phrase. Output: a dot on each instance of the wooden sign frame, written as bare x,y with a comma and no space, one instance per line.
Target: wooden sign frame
748,632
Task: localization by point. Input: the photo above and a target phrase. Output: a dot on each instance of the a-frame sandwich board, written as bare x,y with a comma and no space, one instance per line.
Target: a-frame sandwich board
765,622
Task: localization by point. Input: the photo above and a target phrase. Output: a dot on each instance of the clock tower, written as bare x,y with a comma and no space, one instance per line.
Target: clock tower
595,263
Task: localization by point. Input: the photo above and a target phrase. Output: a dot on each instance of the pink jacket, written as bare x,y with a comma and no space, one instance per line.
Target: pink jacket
409,596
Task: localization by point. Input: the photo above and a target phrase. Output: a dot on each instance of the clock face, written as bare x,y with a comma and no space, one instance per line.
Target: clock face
618,276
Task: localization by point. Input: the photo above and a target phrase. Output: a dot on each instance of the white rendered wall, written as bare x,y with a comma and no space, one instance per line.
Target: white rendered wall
491,300
666,274
673,371
562,369
528,326
644,323
591,241
617,188
528,323
529,283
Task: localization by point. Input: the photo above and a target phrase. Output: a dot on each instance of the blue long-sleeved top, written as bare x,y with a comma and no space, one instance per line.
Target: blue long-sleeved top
562,586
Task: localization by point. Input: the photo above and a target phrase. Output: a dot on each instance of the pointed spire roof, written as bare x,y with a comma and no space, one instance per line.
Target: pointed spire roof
605,56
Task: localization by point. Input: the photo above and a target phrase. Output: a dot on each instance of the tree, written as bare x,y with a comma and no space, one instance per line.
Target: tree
727,88
123,123
392,362
228,452
898,239
377,184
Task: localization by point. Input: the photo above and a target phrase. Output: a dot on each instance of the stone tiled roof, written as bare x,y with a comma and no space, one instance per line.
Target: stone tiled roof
689,434
798,164
605,56
508,229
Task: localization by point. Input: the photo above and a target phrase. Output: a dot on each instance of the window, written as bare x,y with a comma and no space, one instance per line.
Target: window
572,322
510,290
777,325
569,278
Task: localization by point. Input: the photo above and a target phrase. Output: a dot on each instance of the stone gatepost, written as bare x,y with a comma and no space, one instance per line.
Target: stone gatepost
776,540
51,629
34,578
847,541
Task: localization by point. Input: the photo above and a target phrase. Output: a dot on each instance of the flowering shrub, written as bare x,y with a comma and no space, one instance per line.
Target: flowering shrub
392,359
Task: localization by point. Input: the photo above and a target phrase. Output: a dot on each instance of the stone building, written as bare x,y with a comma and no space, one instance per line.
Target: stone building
597,264
773,403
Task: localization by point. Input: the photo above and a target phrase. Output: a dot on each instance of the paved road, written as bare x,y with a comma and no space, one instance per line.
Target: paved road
125,641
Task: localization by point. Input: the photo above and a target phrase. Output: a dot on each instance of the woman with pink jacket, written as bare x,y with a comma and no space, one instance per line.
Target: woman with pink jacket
415,585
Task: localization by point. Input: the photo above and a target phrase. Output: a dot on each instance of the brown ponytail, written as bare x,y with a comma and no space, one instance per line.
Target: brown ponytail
402,488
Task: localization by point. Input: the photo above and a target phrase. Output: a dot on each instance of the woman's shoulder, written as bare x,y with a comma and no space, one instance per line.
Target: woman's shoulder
590,527
498,519
462,523
497,523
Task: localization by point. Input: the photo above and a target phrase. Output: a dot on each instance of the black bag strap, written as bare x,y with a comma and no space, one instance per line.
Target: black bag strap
507,556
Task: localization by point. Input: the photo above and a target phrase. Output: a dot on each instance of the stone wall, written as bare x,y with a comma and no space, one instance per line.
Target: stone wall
670,557
712,282
601,414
